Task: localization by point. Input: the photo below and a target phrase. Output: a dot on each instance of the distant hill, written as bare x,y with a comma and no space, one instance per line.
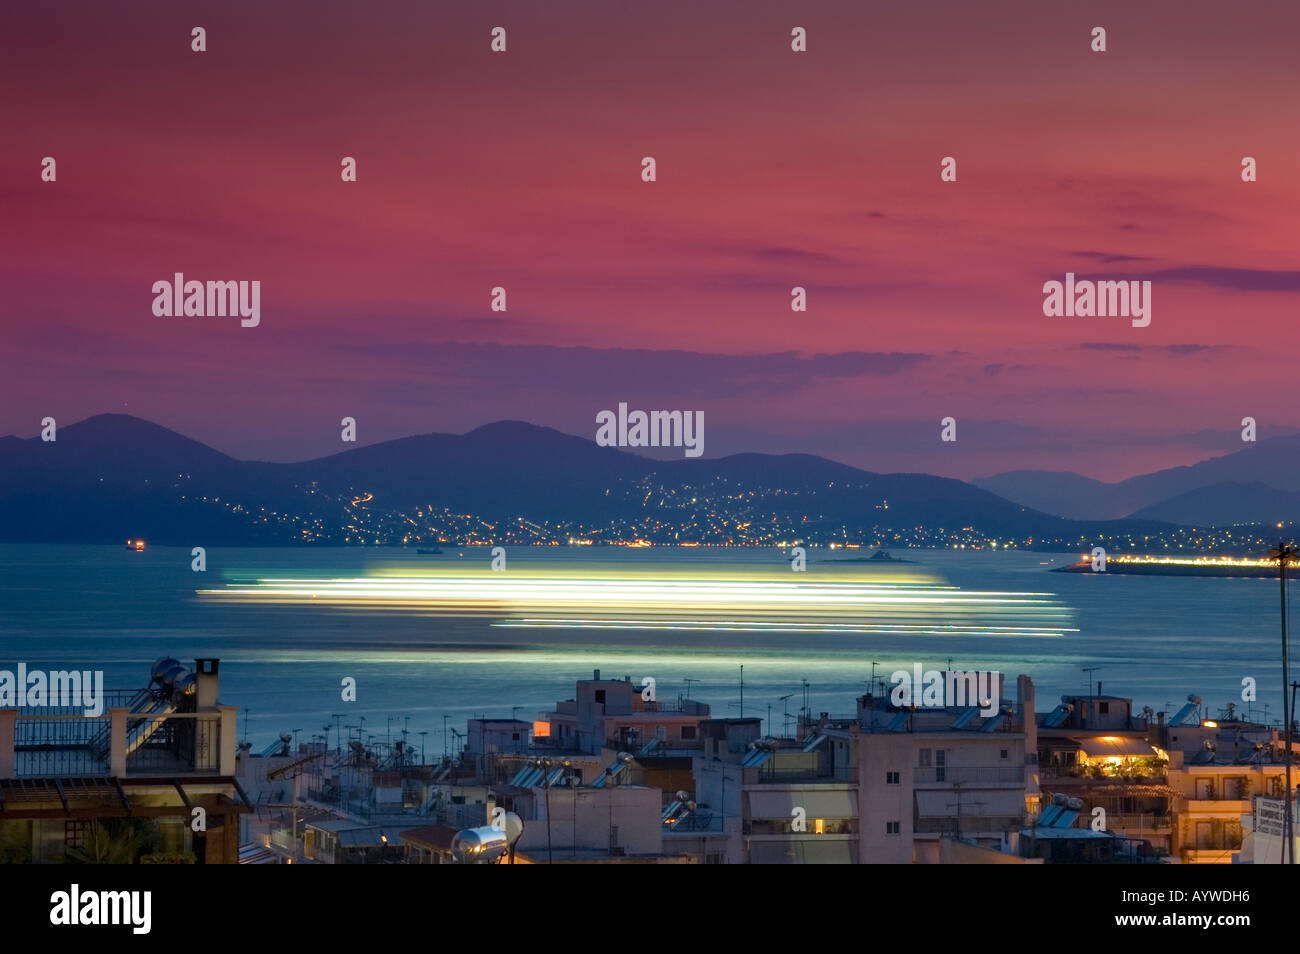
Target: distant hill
1228,503
1254,484
114,476
1062,493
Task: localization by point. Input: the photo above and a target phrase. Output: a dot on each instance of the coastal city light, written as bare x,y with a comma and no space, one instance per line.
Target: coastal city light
1263,563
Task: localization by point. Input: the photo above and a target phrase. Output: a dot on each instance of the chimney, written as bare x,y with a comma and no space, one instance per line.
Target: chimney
595,676
1098,687
205,674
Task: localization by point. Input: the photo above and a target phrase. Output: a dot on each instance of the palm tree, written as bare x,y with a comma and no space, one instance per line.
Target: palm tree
103,847
15,842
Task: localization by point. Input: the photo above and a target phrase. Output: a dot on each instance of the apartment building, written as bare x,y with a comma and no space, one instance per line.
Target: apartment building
152,778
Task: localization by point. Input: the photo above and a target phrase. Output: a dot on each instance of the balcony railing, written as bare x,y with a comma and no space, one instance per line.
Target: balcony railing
1093,774
967,824
1116,821
962,774
119,743
771,774
695,825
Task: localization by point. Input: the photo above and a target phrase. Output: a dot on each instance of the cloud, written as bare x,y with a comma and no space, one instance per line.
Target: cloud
1112,257
1176,350
794,254
1238,279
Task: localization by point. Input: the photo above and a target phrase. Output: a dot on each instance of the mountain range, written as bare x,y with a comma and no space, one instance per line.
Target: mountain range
115,476
1258,484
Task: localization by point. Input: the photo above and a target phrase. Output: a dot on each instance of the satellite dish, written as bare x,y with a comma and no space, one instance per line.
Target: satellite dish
514,826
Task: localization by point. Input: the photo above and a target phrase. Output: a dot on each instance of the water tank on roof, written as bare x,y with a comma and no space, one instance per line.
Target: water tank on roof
172,676
480,846
161,665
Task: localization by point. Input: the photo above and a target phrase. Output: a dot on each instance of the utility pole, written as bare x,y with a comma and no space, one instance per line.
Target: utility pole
1282,553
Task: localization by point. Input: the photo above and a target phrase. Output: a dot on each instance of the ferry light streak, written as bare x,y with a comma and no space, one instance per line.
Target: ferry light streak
657,598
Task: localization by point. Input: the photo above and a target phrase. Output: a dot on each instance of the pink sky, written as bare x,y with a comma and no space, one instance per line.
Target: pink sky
775,169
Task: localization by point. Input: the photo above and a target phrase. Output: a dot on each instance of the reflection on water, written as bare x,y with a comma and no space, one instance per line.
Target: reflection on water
693,615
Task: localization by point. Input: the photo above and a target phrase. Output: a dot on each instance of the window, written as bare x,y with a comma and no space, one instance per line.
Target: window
1004,754
892,828
600,695
941,765
1103,708
688,732
514,737
73,832
891,778
923,758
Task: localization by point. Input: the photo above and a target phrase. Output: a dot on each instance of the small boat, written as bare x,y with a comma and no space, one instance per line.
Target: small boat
136,545
426,551
880,556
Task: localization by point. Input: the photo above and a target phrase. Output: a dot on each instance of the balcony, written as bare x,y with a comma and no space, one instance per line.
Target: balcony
777,775
966,825
121,744
966,774
1133,824
1218,806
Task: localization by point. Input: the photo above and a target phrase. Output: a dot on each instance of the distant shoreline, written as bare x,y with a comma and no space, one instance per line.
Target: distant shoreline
1157,568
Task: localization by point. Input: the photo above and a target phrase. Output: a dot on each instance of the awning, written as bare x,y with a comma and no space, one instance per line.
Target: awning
817,804
254,854
1116,747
